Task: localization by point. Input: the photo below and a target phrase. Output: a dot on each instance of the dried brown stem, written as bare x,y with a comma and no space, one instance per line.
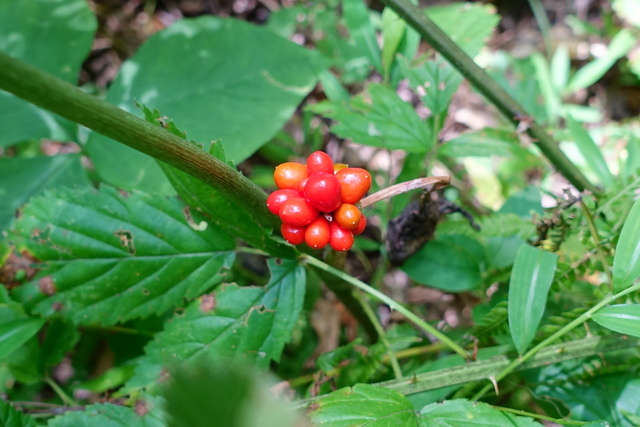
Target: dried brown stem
429,183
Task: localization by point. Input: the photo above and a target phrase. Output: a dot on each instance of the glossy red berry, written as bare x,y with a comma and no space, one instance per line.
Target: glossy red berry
288,175
347,216
318,233
355,183
293,235
297,212
319,161
341,239
323,191
361,226
278,197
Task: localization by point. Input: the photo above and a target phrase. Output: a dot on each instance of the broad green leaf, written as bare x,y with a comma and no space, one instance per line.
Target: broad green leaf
523,203
23,178
60,339
619,46
531,279
361,405
623,318
110,257
233,396
356,17
239,324
53,35
483,143
452,263
16,332
378,118
110,415
186,72
590,151
217,208
463,413
626,262
11,417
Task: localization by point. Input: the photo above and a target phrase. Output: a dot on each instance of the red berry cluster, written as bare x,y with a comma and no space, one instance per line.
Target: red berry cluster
316,202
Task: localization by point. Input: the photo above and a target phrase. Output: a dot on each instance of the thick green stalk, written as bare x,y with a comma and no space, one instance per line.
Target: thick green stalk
66,100
509,107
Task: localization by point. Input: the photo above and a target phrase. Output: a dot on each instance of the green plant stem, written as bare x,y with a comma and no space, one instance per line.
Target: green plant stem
598,245
382,336
66,100
60,392
581,319
513,111
541,417
387,300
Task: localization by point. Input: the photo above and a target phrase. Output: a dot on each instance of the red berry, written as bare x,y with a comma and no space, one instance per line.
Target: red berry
323,192
289,174
293,235
341,240
347,216
319,161
277,199
361,226
318,233
355,183
297,212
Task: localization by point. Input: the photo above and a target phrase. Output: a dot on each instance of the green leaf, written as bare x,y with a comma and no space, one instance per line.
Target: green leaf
531,279
111,258
54,36
11,417
483,143
23,178
393,29
356,17
16,332
240,324
361,405
619,46
452,263
110,415
623,318
186,72
523,203
378,118
590,151
233,396
626,262
60,339
462,413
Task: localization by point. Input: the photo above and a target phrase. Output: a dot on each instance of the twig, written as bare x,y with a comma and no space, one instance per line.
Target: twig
429,183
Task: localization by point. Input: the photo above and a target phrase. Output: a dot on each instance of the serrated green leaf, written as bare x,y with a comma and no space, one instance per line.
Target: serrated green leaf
363,404
54,36
623,318
356,17
16,332
452,263
619,46
23,178
531,279
626,262
378,118
11,417
240,324
110,415
463,413
110,257
590,151
185,71
483,143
